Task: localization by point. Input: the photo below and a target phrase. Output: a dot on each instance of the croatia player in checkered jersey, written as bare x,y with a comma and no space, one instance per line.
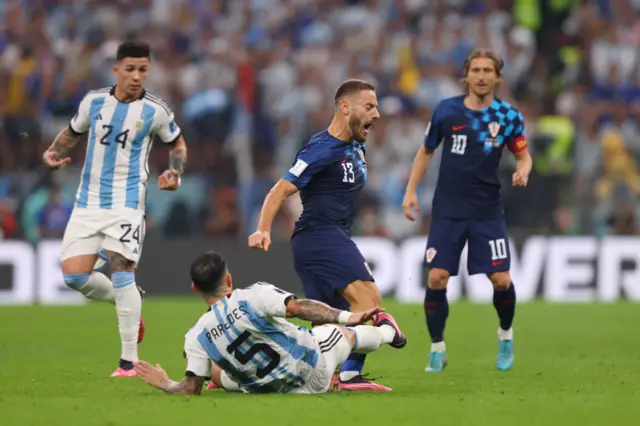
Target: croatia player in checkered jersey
109,211
472,129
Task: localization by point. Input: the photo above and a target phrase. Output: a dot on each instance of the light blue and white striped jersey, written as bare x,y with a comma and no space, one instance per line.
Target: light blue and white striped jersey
116,169
247,336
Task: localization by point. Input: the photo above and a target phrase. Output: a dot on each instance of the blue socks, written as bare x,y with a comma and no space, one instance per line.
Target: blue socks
353,366
436,311
505,304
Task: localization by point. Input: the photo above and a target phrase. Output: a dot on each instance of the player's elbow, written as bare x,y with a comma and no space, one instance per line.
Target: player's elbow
425,152
180,143
283,189
293,308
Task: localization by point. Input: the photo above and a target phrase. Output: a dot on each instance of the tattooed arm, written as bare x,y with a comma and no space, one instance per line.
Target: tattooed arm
321,313
178,156
189,385
170,179
56,155
158,378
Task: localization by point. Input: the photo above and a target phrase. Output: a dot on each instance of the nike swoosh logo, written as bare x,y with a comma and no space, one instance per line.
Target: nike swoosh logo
456,128
496,263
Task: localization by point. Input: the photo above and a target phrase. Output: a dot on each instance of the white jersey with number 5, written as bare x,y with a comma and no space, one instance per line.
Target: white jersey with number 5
116,170
247,336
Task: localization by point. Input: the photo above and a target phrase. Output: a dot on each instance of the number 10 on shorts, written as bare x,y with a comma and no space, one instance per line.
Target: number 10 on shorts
498,249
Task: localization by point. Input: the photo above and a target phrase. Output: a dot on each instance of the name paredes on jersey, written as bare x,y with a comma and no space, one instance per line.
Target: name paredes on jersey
214,333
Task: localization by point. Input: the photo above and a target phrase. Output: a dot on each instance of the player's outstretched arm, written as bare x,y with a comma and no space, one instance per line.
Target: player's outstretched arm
320,313
57,155
158,378
283,189
421,163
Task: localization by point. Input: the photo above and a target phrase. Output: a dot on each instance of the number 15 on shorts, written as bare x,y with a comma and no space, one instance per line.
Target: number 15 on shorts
499,251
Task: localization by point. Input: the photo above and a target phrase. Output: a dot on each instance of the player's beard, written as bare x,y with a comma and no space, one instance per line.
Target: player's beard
484,92
355,125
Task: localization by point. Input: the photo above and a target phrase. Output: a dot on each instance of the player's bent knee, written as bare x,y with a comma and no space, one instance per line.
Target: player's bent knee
362,295
78,264
501,280
351,337
75,281
376,298
438,279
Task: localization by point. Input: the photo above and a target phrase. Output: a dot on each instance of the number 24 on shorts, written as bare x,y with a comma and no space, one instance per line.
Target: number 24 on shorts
128,235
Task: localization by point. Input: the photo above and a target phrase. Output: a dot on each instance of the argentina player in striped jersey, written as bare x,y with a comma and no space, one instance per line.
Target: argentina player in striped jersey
244,343
109,211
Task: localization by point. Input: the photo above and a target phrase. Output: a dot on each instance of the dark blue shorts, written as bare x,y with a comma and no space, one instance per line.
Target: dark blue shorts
488,245
327,260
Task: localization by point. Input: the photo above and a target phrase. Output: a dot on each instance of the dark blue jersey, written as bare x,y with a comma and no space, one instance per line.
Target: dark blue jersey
472,142
330,174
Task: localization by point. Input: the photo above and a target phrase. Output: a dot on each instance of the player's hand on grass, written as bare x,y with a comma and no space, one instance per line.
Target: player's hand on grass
155,376
260,240
362,317
52,161
410,206
520,178
169,180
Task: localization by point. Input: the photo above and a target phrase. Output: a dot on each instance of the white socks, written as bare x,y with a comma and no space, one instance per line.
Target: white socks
369,338
99,287
128,308
438,347
505,334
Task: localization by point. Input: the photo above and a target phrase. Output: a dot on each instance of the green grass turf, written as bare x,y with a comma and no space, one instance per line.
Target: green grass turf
575,365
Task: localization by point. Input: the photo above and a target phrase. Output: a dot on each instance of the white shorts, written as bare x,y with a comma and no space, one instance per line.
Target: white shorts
334,350
118,230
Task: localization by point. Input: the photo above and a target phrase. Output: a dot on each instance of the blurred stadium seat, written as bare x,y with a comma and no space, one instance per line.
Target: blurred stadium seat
249,81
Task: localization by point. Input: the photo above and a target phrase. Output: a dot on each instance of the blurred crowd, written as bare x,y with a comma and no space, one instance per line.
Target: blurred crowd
251,80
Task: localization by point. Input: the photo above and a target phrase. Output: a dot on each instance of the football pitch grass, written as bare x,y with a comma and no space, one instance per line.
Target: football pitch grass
575,365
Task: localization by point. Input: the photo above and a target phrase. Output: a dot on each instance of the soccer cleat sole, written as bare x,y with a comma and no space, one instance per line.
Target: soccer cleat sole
367,386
